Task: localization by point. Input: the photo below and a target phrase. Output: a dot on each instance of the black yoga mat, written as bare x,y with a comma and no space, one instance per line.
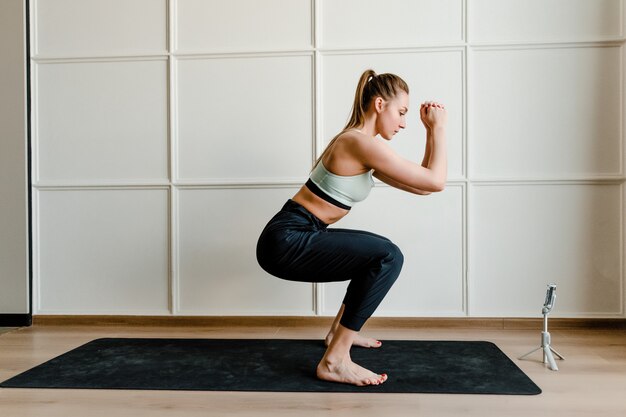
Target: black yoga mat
276,365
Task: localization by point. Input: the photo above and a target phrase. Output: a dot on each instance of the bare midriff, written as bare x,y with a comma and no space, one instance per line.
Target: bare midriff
320,208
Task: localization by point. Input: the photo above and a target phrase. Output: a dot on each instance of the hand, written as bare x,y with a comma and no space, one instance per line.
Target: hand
433,115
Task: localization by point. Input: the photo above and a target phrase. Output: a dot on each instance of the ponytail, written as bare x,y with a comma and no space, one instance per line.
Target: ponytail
369,87
360,104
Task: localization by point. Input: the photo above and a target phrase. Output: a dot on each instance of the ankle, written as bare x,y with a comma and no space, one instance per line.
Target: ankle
333,359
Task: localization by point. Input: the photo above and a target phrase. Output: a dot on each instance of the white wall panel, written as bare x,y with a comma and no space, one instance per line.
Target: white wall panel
389,23
434,76
218,271
101,121
544,20
250,91
429,231
102,252
526,236
96,27
244,119
248,25
546,112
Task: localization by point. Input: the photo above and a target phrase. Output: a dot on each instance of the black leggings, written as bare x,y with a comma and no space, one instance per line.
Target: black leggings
297,246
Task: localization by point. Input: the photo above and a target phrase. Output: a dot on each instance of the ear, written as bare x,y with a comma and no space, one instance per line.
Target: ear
379,104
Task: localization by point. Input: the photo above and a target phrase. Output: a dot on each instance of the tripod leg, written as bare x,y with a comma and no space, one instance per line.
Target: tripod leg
557,354
531,352
548,354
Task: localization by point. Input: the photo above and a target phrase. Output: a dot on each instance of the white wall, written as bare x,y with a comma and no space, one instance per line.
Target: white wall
14,285
167,133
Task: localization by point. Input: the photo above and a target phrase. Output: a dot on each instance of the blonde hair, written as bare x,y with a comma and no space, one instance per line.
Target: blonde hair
369,87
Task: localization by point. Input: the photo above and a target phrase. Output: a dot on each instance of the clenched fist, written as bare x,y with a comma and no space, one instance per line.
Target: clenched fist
433,115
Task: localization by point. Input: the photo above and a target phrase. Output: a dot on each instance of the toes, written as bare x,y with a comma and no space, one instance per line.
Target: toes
374,381
372,343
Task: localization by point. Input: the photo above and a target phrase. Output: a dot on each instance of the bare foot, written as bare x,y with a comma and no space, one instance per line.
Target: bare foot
348,372
359,340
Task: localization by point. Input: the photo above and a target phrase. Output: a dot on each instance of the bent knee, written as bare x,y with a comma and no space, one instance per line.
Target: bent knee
394,256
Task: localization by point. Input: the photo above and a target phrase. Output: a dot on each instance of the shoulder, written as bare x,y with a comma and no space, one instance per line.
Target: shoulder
355,140
350,135
369,151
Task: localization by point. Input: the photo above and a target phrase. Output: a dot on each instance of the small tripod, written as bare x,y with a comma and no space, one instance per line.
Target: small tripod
545,335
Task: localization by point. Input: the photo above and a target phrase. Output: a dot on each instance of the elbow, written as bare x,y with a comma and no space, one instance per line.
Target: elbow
429,189
438,186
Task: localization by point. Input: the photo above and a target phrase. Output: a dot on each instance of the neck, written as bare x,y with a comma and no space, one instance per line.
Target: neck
369,127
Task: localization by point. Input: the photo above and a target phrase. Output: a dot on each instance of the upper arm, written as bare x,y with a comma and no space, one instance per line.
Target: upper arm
383,159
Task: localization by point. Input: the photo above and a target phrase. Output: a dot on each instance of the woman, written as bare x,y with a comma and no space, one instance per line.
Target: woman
297,244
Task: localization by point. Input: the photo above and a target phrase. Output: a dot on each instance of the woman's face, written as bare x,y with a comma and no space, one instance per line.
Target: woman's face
392,115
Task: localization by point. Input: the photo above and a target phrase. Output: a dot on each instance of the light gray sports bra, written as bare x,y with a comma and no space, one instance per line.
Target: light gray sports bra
345,190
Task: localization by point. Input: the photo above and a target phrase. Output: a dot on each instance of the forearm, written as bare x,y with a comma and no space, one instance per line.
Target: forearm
428,150
438,158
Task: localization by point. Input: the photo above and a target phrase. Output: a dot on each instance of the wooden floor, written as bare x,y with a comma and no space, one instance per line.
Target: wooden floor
590,382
